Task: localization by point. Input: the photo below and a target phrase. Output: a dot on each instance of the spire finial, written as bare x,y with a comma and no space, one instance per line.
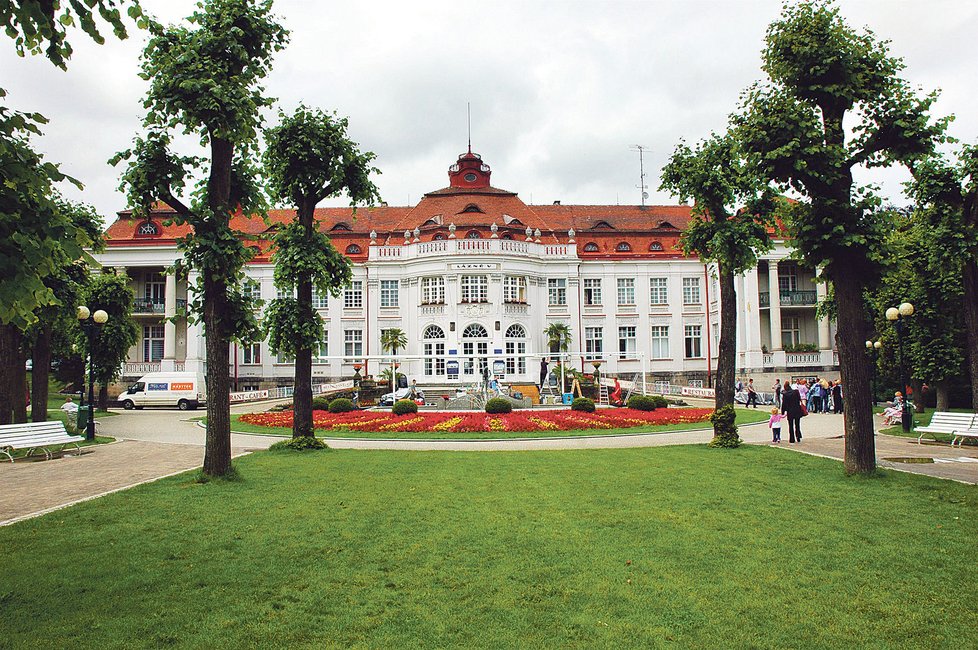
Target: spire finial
468,113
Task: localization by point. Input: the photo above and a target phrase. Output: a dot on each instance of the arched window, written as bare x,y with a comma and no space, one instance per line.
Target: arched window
434,350
515,345
433,332
507,236
471,207
623,247
438,237
655,246
591,247
342,225
147,228
353,249
474,352
475,331
473,234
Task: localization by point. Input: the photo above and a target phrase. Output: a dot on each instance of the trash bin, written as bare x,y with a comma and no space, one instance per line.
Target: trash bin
83,413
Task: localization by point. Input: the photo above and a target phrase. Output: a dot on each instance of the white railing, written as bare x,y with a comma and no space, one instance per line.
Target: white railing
515,308
768,359
179,366
472,246
140,368
432,310
803,358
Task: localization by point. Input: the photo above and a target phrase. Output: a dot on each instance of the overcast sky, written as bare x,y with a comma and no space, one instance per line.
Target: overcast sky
560,91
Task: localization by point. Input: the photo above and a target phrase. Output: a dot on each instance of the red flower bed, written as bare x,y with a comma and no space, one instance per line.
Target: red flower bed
517,421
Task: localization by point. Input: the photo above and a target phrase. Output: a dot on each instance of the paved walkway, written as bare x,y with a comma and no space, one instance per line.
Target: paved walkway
158,443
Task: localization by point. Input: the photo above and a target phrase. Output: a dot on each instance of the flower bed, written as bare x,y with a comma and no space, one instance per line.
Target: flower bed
515,422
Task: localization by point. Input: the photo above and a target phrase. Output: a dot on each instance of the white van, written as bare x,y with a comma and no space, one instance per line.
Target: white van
185,390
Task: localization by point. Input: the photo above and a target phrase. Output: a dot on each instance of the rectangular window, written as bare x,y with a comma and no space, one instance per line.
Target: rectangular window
153,342
320,301
389,290
626,291
284,293
284,357
251,354
515,365
251,290
475,288
660,341
694,341
557,291
434,360
471,364
432,291
691,291
788,278
353,344
353,296
626,342
658,293
790,331
592,291
514,289
593,342
155,289
319,354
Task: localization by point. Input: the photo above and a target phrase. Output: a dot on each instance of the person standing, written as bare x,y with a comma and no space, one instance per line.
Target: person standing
777,392
826,393
543,373
791,407
751,393
774,423
837,396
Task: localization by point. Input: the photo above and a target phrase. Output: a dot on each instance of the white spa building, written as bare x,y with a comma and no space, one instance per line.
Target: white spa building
473,272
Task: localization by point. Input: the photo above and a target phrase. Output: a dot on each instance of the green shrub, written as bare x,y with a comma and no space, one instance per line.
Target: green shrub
724,429
583,404
302,443
341,405
659,401
641,403
404,406
498,405
320,403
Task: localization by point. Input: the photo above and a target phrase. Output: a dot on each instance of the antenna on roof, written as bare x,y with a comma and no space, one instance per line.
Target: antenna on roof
641,169
468,114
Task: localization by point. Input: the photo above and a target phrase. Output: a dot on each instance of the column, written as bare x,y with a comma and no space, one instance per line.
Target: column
752,318
824,340
774,290
169,327
196,352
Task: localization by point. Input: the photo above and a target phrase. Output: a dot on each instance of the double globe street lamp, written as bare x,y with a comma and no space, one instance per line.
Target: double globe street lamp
897,314
90,324
873,347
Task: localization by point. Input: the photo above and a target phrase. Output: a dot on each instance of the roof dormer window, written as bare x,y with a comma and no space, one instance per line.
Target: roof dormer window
655,246
472,207
602,225
353,249
623,247
147,229
342,225
591,247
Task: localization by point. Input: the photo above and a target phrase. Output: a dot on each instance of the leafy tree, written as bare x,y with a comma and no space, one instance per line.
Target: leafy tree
947,197
716,177
392,340
308,158
834,102
42,25
113,293
559,339
206,80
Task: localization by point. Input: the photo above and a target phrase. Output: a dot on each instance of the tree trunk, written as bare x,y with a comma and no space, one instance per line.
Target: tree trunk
217,450
970,307
41,354
943,390
918,395
7,354
727,347
302,396
103,396
860,444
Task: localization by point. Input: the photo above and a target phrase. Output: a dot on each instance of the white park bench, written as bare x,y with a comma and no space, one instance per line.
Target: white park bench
34,436
957,425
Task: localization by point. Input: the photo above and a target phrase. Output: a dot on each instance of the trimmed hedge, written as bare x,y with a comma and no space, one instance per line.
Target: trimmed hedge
499,405
341,405
641,403
659,401
583,404
302,443
404,406
320,404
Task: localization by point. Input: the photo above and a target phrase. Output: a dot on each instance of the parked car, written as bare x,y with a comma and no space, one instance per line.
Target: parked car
388,399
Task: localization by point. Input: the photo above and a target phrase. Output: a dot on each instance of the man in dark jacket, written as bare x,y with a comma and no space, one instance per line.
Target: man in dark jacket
791,407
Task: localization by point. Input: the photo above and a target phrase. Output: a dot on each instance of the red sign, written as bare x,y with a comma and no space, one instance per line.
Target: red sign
184,385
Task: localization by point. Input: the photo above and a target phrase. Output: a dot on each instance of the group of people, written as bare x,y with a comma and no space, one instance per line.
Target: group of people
793,401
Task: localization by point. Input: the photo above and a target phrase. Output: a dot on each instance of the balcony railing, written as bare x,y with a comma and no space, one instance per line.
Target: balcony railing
150,306
790,298
473,246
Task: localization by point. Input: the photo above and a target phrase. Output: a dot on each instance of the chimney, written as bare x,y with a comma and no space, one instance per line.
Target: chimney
556,202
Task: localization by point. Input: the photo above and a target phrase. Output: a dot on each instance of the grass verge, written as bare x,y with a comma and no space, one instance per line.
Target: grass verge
676,546
922,420
744,416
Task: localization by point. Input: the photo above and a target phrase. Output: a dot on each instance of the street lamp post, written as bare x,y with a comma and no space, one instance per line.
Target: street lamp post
91,324
873,347
897,314
356,383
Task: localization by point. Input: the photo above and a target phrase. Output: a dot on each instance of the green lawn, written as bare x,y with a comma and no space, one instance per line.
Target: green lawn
744,416
922,420
662,547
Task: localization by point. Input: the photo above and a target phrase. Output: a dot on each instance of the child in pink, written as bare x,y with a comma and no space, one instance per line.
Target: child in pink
775,424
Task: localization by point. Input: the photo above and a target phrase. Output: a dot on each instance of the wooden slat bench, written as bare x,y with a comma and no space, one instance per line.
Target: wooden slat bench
34,436
958,425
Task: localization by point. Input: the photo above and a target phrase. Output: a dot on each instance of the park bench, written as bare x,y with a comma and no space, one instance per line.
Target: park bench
957,425
34,436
